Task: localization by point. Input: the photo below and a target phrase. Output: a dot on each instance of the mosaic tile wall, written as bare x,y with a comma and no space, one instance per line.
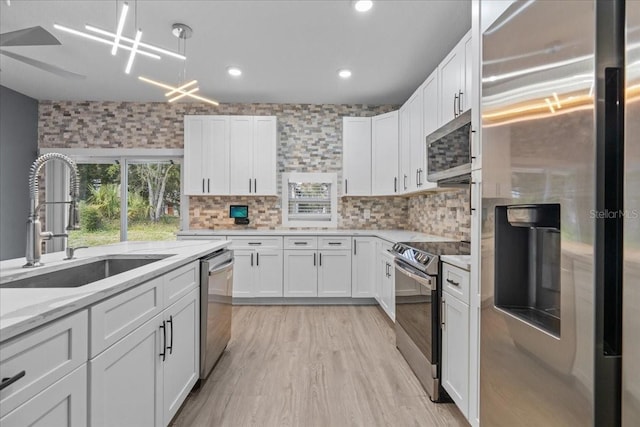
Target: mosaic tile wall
442,214
309,140
386,213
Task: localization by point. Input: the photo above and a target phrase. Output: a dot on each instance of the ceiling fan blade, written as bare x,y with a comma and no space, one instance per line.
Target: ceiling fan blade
44,66
34,36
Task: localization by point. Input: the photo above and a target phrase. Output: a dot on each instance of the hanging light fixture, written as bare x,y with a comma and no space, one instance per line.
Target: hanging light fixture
117,40
180,91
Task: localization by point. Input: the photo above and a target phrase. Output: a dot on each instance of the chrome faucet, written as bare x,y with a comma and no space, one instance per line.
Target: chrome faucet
35,235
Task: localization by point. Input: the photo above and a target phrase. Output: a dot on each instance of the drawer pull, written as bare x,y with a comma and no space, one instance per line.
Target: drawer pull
6,382
453,283
335,243
255,243
300,243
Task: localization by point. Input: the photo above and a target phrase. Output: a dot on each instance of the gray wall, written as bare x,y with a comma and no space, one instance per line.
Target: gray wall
18,149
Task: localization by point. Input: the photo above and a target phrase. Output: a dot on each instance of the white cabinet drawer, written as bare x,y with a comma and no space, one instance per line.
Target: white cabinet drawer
181,281
120,315
244,242
455,281
62,404
300,242
45,355
336,242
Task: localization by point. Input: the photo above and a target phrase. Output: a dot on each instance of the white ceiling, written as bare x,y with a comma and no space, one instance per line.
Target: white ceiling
289,51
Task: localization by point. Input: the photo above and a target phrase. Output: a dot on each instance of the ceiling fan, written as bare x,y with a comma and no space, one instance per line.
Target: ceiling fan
34,36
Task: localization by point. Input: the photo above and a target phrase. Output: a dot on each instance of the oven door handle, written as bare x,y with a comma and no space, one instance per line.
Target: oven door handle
424,281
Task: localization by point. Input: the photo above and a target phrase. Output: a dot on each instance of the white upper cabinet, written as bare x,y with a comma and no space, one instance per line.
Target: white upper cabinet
206,155
265,141
356,148
230,155
429,105
385,154
406,178
241,154
452,80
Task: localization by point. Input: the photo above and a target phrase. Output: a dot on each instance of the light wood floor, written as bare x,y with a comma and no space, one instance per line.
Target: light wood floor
313,366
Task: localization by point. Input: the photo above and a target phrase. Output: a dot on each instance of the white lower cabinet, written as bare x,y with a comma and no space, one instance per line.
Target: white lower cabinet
257,273
455,348
126,380
310,273
363,271
143,379
63,404
387,295
334,273
300,273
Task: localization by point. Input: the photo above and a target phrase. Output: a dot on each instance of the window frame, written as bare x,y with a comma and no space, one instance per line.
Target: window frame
123,156
310,177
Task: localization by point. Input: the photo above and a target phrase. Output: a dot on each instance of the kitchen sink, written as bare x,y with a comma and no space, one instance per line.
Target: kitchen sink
79,275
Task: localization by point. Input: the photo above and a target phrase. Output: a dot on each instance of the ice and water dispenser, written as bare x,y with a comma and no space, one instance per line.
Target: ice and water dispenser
527,264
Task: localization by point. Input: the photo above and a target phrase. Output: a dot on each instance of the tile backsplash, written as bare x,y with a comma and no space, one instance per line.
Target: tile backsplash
309,140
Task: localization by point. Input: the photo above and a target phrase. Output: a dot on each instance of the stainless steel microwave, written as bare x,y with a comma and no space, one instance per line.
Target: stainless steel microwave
449,151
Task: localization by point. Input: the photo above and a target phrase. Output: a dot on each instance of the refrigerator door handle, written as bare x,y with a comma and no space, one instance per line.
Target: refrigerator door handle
613,202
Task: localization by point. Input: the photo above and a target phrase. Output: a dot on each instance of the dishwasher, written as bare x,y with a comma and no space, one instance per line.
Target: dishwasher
216,288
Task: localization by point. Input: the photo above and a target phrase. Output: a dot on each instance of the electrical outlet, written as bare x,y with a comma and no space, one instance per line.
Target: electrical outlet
196,212
367,214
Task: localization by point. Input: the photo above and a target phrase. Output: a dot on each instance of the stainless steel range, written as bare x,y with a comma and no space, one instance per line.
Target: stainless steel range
418,293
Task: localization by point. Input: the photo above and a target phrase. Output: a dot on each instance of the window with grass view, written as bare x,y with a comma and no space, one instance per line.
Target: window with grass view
152,200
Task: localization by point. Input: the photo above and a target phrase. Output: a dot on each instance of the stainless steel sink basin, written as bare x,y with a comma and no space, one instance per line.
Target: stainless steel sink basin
79,275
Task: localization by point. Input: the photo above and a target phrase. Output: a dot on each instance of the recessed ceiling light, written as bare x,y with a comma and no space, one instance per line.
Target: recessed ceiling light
345,74
363,5
234,71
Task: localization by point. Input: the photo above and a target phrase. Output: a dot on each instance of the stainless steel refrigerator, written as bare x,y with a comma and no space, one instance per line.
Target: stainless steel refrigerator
560,319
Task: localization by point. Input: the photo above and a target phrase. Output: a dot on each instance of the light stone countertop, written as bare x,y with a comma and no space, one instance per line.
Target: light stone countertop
460,261
24,309
393,236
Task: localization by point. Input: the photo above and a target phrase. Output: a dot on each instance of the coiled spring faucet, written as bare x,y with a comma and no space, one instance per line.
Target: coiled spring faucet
35,235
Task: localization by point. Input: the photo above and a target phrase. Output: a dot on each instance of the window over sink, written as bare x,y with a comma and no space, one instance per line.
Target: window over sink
309,200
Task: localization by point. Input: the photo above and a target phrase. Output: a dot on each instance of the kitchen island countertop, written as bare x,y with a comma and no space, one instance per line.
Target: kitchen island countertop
23,309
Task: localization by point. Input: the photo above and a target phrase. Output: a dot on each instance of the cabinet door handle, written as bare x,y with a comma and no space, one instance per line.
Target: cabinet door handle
208,185
405,181
203,185
460,93
170,346
417,177
320,259
346,186
6,382
455,107
395,184
164,341
453,283
355,247
443,310
249,185
255,185
314,259
257,258
252,260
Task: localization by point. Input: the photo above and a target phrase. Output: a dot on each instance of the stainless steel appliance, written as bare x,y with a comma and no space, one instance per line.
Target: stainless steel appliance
449,152
418,293
553,339
216,288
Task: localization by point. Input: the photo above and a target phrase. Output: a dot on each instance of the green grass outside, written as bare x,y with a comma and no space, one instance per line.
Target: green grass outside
110,232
